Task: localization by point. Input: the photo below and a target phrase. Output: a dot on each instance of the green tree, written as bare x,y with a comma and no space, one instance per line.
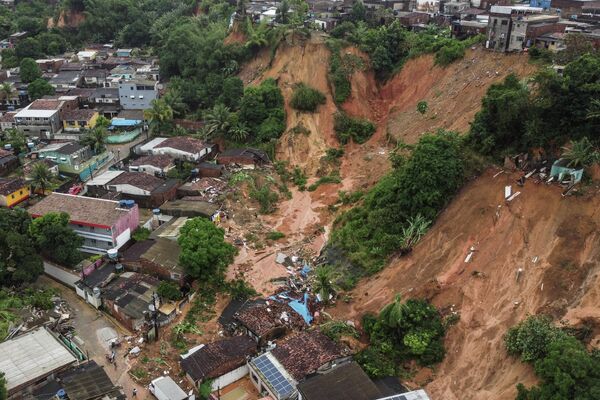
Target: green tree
306,98
95,138
39,88
19,261
3,389
218,120
160,116
41,177
283,12
29,70
204,253
55,239
168,290
359,11
256,36
28,48
6,91
16,138
324,282
239,132
594,110
581,153
422,107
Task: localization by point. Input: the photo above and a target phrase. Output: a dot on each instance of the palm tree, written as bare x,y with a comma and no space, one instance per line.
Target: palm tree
174,99
41,177
580,154
594,110
257,37
159,115
6,91
324,282
239,132
412,233
95,138
218,120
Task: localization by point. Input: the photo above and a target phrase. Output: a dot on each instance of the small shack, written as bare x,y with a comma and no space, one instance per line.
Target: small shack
560,171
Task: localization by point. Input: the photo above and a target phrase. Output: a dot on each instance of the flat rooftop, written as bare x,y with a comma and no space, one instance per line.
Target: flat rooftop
32,356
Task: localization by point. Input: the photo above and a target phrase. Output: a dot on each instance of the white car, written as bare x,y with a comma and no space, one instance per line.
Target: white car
165,388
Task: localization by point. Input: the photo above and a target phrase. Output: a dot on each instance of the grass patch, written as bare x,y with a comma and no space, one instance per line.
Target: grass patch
348,128
323,180
275,235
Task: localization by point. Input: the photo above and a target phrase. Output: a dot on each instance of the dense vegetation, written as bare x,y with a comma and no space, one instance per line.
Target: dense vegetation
548,113
204,253
347,127
306,98
567,370
396,212
55,240
402,332
389,46
19,260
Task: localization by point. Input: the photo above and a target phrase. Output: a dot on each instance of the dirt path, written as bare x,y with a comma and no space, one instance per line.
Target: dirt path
552,239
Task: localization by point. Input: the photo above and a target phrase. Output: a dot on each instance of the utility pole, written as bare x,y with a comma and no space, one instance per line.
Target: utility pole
155,316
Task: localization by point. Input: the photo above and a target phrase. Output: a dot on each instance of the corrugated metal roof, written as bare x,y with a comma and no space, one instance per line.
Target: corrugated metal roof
31,356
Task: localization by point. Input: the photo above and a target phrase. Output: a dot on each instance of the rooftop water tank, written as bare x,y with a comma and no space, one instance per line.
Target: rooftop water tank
96,291
112,253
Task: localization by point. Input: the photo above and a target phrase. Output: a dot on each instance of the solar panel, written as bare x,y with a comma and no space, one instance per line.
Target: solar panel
274,377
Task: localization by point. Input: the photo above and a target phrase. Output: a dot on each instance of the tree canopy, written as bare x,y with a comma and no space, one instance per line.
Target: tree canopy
19,261
55,239
420,186
204,253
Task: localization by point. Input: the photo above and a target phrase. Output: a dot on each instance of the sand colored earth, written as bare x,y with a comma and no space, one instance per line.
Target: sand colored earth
553,240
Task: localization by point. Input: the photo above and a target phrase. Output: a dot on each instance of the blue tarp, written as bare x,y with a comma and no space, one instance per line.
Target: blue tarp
302,308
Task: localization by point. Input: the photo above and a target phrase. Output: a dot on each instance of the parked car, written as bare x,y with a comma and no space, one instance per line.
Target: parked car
165,388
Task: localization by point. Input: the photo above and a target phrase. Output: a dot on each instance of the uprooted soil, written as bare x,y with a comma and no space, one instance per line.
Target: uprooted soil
553,240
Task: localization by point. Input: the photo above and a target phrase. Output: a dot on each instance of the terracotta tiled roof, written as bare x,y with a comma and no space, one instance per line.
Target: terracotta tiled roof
11,185
41,104
183,143
305,352
263,318
80,209
78,115
138,179
218,358
158,161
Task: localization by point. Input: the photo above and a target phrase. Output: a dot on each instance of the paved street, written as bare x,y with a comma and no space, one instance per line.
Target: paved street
95,332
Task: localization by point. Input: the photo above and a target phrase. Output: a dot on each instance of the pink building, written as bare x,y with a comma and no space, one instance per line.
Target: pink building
103,224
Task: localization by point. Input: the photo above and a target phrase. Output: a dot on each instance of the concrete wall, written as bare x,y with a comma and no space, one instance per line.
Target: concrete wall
230,377
61,274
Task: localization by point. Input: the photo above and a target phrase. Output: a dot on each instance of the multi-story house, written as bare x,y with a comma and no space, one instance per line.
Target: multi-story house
40,118
103,224
137,94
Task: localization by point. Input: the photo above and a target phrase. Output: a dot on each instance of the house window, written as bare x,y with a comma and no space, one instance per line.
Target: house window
93,241
109,243
519,38
81,226
20,192
505,22
12,196
92,228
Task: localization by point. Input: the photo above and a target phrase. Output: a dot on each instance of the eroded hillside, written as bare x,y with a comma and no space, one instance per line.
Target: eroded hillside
453,94
554,240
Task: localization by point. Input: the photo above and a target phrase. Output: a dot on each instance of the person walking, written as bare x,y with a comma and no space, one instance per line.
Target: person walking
134,392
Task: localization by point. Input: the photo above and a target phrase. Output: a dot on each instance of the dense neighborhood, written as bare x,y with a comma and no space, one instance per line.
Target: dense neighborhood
167,229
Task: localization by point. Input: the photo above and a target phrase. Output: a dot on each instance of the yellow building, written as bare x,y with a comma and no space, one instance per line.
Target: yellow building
13,191
76,120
